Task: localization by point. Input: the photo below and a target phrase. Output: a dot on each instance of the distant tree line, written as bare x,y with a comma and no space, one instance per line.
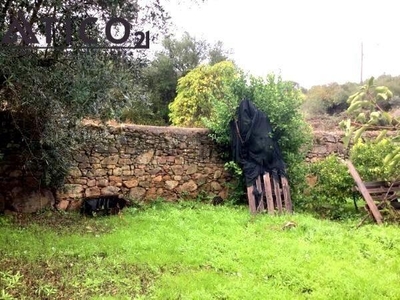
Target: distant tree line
332,98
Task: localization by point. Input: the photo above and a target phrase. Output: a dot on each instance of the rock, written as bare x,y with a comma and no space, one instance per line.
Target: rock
127,172
207,170
157,179
110,160
62,205
171,184
171,159
177,169
223,194
112,149
191,169
110,190
201,179
124,161
138,172
117,172
91,182
73,190
94,160
81,158
75,172
179,160
74,205
217,174
215,186
137,193
319,150
93,191
117,179
32,201
102,182
81,181
329,138
155,171
144,184
189,186
145,158
100,172
151,193
131,183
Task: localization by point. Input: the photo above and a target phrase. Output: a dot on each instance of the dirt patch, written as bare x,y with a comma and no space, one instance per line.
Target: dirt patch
61,222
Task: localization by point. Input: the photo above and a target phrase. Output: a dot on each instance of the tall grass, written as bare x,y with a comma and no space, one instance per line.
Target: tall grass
196,251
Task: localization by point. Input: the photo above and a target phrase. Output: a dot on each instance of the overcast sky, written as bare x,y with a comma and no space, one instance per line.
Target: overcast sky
308,41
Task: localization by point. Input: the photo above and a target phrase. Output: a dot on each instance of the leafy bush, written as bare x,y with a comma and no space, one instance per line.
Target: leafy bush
195,91
366,113
368,158
333,185
280,101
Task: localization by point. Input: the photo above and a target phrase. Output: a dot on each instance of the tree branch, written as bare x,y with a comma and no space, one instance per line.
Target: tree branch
34,18
374,127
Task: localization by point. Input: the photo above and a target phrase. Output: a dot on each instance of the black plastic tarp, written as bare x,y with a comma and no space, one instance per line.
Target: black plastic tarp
254,146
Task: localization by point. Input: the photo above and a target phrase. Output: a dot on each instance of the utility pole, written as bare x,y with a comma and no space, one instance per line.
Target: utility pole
362,62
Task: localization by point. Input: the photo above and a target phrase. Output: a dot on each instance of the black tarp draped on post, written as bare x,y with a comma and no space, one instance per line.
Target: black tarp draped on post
254,146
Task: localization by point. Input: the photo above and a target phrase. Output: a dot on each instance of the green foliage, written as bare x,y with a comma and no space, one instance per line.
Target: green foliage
393,84
176,59
196,90
333,185
233,168
48,102
365,113
280,101
327,99
369,160
237,187
49,91
161,78
217,53
197,251
186,53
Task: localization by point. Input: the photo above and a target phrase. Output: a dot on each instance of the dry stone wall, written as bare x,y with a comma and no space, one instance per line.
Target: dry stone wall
141,162
145,162
326,143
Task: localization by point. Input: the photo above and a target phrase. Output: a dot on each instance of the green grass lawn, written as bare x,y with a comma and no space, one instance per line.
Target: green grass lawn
196,251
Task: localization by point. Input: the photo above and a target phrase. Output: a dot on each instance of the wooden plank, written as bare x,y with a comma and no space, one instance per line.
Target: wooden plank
251,199
363,190
260,206
268,193
381,190
277,191
286,194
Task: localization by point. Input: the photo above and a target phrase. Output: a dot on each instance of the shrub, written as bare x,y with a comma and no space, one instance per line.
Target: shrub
366,113
196,90
280,101
368,158
333,185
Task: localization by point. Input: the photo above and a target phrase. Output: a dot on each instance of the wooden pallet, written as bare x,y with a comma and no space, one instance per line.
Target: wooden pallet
271,192
375,194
